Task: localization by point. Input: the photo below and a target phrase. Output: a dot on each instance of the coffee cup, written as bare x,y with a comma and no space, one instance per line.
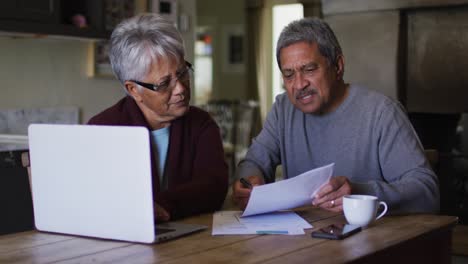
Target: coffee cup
362,209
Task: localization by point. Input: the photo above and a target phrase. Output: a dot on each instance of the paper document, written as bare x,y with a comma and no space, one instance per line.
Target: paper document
281,223
287,194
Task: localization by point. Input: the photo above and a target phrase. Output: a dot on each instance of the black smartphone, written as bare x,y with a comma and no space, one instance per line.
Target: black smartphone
336,231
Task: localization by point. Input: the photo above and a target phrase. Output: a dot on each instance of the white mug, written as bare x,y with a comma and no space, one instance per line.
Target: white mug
362,209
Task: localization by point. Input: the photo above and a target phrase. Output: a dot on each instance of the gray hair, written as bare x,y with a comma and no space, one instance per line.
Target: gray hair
311,30
139,41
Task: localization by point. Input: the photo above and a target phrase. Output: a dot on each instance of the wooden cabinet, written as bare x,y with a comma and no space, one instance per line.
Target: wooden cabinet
54,17
15,195
35,11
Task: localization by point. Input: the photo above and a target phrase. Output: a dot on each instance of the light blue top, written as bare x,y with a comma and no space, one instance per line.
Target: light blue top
160,142
368,137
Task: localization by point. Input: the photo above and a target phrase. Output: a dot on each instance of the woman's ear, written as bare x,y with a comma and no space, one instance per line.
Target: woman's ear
133,90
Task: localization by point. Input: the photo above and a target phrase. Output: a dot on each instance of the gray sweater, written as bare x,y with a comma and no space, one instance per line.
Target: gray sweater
369,138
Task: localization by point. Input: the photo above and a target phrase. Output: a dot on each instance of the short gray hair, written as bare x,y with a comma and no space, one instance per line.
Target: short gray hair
139,41
311,30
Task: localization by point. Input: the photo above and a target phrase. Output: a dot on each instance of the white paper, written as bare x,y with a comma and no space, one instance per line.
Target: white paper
231,223
287,194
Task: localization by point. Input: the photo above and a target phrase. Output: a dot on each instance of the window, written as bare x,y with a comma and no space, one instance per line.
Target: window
282,16
203,66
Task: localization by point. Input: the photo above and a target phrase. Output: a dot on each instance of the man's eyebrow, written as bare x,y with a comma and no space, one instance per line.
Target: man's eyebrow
310,64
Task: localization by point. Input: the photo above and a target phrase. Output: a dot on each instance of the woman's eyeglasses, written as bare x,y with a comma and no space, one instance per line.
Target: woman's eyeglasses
182,75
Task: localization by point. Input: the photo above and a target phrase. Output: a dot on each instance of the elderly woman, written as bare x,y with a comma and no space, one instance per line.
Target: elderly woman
190,175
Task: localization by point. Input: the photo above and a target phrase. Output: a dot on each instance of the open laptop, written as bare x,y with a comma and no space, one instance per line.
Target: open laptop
96,181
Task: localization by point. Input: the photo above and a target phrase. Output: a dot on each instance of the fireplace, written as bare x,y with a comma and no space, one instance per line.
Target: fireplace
437,60
415,52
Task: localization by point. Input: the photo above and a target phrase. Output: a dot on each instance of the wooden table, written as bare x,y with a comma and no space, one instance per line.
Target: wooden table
392,239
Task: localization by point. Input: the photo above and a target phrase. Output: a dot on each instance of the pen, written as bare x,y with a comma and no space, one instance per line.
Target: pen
246,183
272,232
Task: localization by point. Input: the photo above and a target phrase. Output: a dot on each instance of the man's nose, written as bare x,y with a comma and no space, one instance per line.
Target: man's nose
300,82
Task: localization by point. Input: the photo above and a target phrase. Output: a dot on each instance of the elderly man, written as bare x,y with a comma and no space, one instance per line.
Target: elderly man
190,175
320,119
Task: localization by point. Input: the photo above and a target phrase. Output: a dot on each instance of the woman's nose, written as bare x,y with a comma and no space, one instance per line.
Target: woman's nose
179,87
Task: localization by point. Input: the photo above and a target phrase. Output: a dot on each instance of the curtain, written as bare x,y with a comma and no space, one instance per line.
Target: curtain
259,30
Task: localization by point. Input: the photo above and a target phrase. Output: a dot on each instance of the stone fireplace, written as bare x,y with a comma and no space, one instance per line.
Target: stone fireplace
415,51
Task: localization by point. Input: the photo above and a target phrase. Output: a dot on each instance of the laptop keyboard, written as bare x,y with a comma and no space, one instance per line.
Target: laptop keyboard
159,231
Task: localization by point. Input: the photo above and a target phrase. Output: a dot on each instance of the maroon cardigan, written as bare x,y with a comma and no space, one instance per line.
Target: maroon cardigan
195,167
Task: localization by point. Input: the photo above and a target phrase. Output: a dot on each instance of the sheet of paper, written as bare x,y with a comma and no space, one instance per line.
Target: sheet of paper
287,194
283,223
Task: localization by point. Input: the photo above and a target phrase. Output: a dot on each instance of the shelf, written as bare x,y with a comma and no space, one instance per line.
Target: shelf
10,27
54,18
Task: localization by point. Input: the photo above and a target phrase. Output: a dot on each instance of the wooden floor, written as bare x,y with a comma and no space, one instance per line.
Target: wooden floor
460,240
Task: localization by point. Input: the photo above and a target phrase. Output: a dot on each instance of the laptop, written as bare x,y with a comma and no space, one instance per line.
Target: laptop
96,181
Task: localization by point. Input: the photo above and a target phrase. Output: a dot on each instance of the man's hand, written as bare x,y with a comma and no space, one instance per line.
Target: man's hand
161,214
241,194
330,196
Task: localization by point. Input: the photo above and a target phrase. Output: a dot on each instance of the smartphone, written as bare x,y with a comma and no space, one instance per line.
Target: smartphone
336,231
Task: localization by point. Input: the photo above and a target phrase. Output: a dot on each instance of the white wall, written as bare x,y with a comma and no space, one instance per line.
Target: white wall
188,8
370,46
47,72
223,16
50,72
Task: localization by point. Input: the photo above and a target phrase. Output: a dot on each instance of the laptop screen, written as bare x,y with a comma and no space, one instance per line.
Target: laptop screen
92,181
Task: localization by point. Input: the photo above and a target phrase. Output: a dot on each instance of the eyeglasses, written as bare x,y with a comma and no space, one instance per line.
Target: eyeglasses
182,75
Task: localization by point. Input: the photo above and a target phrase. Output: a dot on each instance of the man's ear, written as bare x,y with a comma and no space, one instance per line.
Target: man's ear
132,90
340,67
